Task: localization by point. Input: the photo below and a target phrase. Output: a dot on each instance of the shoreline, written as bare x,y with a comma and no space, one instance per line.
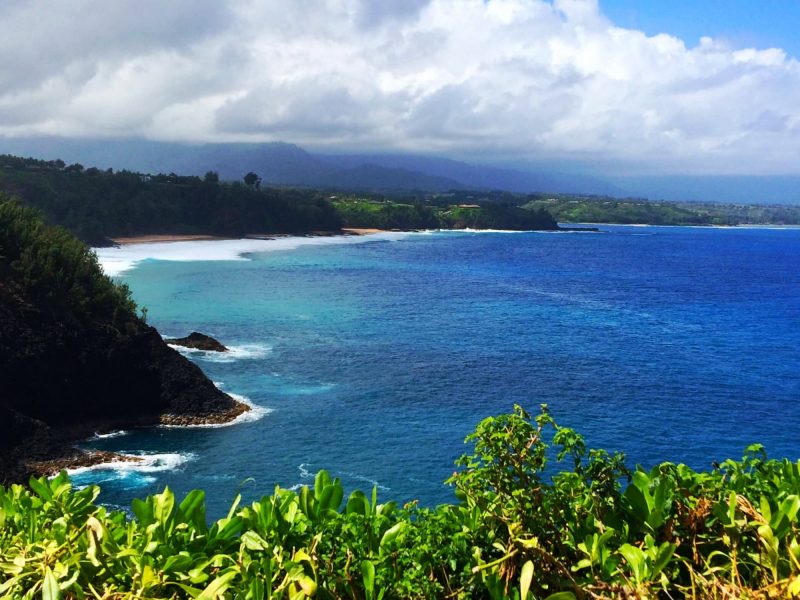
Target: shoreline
71,456
117,260
166,237
177,237
773,226
79,459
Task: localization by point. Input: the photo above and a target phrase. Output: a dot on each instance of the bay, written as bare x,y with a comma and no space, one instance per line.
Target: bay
374,359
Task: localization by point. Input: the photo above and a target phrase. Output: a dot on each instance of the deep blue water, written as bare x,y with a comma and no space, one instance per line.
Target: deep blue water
377,358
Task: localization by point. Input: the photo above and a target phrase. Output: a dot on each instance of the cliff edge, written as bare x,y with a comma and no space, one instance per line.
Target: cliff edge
75,358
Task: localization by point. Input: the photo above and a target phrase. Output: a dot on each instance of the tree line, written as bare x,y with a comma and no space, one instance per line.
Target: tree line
97,204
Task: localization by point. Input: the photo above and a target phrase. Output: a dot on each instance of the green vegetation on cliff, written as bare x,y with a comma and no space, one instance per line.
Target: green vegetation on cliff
56,271
386,214
96,204
74,357
599,209
515,532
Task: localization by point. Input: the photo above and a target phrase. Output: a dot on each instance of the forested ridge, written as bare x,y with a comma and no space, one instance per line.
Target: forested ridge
97,205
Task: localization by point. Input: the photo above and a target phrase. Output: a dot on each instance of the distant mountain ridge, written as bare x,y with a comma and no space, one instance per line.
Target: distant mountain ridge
280,163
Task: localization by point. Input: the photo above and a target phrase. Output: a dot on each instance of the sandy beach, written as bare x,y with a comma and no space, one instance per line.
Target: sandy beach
361,231
131,251
169,237
152,239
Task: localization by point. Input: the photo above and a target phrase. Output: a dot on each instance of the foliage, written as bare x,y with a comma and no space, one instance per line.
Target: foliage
383,214
55,270
97,204
600,209
356,212
592,530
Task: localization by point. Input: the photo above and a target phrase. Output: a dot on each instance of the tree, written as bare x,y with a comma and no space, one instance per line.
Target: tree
212,177
253,180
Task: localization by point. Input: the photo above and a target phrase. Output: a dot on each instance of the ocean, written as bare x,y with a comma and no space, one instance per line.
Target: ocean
373,357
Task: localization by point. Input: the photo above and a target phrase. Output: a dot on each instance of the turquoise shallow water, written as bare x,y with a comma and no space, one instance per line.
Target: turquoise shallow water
376,359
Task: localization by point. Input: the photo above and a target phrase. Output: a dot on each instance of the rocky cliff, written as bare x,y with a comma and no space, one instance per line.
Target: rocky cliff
74,362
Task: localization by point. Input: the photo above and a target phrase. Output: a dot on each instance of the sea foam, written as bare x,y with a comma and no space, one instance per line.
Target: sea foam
255,413
131,475
109,435
143,463
234,353
119,259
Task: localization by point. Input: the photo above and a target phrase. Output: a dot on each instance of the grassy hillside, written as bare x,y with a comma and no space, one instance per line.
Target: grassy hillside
596,209
358,211
595,529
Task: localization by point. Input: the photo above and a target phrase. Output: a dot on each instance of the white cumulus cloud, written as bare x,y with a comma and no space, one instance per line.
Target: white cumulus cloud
521,80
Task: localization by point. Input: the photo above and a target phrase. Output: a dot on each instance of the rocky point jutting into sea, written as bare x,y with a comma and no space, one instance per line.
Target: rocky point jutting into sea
74,357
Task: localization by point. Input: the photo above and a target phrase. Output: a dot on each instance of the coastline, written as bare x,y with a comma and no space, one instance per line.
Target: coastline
116,260
177,237
167,237
79,459
772,226
69,456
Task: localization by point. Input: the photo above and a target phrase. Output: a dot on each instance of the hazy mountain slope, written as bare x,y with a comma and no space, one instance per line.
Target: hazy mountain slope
479,176
287,164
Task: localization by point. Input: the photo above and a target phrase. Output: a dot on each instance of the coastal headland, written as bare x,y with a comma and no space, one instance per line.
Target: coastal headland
76,358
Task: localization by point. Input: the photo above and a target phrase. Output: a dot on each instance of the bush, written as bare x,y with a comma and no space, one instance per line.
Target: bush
56,271
515,533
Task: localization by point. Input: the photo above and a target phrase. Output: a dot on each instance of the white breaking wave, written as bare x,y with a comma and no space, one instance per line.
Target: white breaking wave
105,436
366,479
234,353
470,230
255,413
117,260
144,463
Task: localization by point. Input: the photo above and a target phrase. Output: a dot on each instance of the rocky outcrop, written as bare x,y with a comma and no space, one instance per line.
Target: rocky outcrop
62,381
198,341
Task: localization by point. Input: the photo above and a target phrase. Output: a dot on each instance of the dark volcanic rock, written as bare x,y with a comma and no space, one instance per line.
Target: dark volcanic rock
62,381
198,341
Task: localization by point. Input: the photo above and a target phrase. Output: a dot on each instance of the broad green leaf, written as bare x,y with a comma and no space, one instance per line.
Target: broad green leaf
42,489
525,578
143,511
164,503
217,587
665,552
368,575
192,507
391,535
321,481
308,585
253,541
50,589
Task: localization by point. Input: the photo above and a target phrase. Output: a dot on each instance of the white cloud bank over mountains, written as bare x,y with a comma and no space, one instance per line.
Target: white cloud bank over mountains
503,80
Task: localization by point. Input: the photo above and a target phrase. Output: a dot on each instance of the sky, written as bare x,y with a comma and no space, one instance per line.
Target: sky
618,86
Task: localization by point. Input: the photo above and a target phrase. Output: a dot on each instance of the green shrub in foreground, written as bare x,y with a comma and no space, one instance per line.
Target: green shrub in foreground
593,530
